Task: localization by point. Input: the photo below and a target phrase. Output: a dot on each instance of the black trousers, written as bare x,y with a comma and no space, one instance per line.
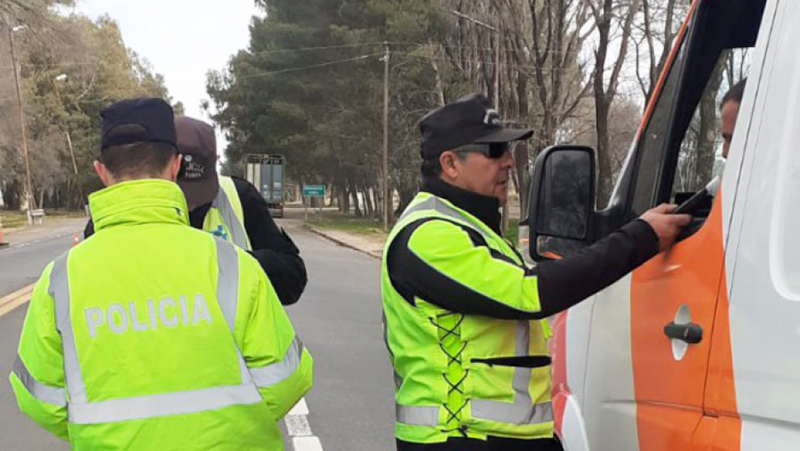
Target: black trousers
491,444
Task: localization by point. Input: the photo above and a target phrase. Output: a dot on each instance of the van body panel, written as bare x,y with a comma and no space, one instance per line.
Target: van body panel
765,285
609,391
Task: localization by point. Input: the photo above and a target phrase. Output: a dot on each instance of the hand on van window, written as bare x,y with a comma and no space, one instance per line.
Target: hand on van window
666,225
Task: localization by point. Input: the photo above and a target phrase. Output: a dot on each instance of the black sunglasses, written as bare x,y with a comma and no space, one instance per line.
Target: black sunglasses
491,150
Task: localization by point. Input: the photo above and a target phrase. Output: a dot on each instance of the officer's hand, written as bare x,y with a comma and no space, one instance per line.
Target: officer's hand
666,225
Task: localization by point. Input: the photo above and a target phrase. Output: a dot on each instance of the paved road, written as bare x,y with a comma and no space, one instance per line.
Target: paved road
338,318
22,263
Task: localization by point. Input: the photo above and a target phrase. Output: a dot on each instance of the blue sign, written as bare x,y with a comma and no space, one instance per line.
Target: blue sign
314,190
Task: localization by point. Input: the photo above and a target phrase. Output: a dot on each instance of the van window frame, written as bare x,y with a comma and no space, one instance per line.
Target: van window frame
701,47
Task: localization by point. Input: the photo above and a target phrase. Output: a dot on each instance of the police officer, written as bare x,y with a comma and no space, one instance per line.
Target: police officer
463,313
150,334
233,209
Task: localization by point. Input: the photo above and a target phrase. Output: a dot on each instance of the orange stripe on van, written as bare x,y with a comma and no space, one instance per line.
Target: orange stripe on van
671,394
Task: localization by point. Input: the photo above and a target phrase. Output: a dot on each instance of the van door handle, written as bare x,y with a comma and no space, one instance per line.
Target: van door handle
689,333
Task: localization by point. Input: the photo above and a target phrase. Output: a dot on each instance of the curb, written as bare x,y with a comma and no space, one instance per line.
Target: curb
340,242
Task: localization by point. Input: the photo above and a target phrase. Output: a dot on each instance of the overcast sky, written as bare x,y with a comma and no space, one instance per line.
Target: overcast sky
182,39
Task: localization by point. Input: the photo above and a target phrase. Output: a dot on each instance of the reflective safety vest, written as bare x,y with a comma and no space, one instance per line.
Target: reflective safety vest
452,372
225,218
151,335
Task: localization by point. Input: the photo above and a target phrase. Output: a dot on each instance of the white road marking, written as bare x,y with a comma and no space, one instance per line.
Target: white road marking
301,408
297,426
299,430
306,444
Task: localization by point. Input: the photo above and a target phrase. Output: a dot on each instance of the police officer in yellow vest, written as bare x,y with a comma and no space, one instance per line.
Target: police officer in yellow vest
233,209
152,335
464,313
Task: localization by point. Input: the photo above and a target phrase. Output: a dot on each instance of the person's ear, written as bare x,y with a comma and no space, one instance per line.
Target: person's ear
102,172
174,167
448,160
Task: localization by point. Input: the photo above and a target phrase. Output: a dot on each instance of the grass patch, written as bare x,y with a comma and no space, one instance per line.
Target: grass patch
346,223
13,219
369,226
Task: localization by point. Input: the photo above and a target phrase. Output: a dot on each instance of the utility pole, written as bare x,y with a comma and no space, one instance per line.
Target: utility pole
58,79
386,199
28,185
75,169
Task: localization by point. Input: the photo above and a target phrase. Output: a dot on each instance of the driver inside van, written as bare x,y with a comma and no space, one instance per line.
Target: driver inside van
729,108
699,203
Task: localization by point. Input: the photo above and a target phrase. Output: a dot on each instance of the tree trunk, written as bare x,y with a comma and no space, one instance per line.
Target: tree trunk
368,205
344,204
357,204
708,131
603,153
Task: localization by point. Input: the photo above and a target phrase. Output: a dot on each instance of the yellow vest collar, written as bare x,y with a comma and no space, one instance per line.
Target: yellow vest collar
138,202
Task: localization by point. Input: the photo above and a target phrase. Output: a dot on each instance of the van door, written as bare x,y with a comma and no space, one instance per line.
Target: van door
674,297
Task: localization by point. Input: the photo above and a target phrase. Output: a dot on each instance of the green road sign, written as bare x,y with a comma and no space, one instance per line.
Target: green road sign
314,190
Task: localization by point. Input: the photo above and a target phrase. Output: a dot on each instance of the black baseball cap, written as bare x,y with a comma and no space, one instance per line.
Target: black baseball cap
137,120
469,120
198,176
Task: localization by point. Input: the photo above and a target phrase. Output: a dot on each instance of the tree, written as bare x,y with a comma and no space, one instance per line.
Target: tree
70,69
615,16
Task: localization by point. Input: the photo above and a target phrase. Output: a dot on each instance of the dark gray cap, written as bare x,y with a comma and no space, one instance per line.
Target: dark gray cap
198,175
469,120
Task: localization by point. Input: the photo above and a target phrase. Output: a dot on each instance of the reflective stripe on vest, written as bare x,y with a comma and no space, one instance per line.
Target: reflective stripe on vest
433,203
42,392
521,411
417,415
191,401
232,219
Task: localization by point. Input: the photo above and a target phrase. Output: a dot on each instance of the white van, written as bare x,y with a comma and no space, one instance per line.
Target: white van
699,349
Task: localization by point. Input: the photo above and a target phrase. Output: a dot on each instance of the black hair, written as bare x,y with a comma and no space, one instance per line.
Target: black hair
736,93
138,160
432,168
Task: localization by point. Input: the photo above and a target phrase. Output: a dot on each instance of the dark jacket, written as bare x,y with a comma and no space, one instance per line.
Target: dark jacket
562,283
272,247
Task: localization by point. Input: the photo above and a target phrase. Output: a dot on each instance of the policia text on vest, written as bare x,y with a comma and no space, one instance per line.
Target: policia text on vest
165,312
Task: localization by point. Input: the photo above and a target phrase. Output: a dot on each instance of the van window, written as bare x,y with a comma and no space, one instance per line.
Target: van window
676,154
655,136
700,158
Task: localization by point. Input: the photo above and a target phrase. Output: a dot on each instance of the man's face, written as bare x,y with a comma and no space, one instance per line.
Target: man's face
730,110
481,174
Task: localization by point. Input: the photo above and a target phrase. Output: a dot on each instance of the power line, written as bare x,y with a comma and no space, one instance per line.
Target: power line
269,52
487,63
66,64
194,57
299,69
314,66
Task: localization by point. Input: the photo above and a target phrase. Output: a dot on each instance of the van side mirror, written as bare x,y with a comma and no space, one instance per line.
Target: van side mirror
561,201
